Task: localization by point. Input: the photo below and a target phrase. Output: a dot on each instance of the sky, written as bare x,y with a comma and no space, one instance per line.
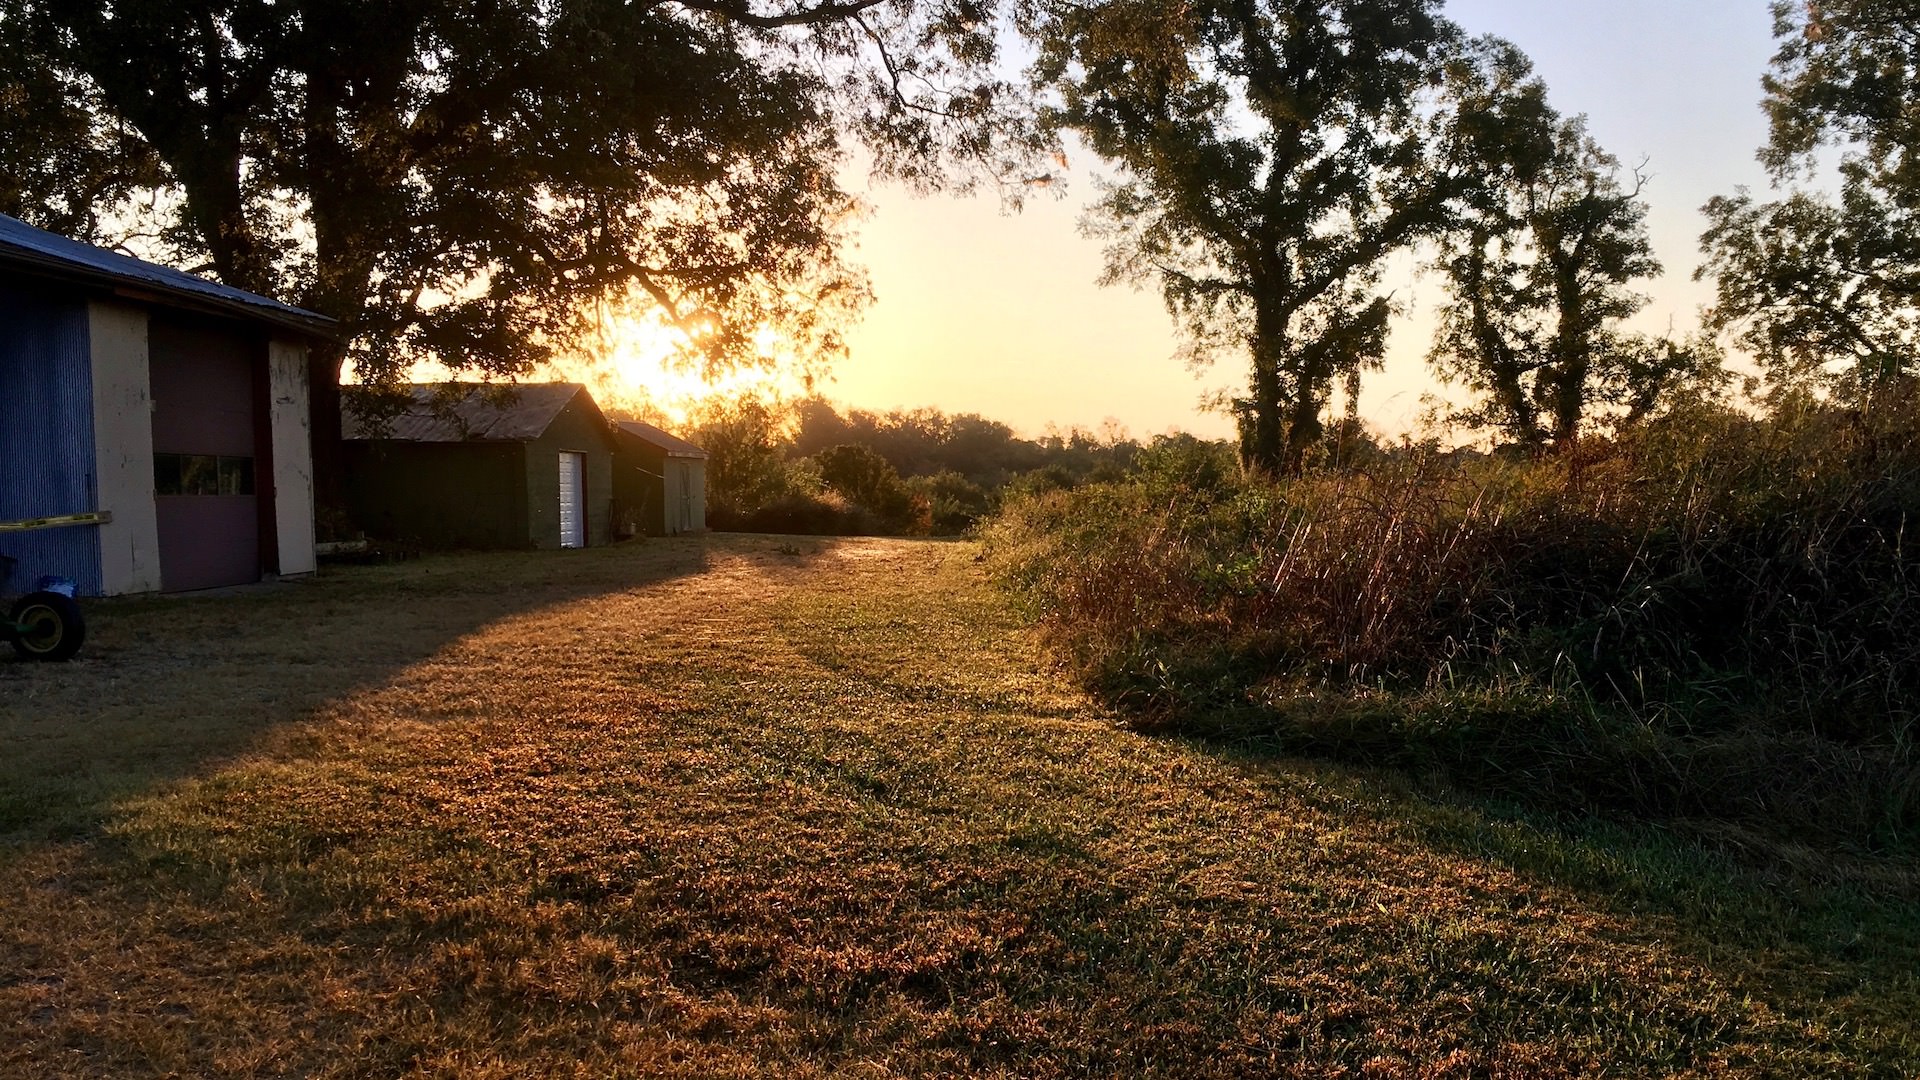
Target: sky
981,311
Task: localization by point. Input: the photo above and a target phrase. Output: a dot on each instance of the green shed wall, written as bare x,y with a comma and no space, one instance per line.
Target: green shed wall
579,428
638,487
471,494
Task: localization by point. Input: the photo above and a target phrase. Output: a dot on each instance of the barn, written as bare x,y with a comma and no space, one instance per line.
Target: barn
469,465
163,414
660,480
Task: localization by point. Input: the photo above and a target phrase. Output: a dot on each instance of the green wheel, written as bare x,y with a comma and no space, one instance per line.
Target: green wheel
47,626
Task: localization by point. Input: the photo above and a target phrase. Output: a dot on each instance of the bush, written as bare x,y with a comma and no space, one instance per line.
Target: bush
1183,462
803,514
753,487
747,467
865,479
904,473
954,503
1039,481
1709,615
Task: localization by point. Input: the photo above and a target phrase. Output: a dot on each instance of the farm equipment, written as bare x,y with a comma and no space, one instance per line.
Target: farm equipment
45,624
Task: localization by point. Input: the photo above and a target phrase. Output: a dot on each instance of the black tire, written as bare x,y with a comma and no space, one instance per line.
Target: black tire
47,626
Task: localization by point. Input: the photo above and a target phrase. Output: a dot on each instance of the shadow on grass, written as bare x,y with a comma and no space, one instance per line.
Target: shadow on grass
167,686
1790,923
767,863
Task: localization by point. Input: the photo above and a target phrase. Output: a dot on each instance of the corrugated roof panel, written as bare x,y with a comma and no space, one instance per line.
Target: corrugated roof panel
672,444
42,253
459,412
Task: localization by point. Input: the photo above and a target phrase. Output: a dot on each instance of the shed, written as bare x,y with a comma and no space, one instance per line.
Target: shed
473,465
172,407
659,479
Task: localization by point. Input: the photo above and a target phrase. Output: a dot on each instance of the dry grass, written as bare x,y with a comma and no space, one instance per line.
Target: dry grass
748,807
1710,618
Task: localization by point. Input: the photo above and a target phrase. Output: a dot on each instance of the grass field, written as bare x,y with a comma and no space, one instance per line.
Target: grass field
756,806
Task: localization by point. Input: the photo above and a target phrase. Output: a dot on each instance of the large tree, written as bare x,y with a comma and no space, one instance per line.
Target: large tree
1819,288
65,158
1540,263
1272,155
460,180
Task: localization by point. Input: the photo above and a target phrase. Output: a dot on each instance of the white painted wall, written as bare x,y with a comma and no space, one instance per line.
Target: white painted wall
123,448
697,482
685,488
673,489
292,455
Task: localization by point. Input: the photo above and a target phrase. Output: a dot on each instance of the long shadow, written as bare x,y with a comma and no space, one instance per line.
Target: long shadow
360,631
1791,925
1797,926
168,686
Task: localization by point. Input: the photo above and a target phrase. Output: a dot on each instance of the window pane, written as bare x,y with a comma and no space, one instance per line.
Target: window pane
199,474
166,474
236,476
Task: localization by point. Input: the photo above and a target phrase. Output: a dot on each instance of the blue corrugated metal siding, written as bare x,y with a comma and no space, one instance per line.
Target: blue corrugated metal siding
46,435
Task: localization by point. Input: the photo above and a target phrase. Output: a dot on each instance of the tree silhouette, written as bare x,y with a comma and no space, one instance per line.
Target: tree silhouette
1540,264
459,180
1823,290
1273,154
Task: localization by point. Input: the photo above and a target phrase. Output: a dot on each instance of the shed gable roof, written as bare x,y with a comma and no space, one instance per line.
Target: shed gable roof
464,412
672,444
42,254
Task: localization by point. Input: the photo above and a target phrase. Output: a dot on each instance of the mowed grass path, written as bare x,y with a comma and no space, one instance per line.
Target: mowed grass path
760,807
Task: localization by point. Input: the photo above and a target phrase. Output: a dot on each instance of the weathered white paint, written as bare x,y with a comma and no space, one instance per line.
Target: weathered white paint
292,455
697,494
680,496
670,481
685,489
123,448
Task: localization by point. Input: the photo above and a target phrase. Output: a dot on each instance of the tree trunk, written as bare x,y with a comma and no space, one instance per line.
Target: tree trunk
331,516
1262,428
1303,430
1572,348
343,275
1569,388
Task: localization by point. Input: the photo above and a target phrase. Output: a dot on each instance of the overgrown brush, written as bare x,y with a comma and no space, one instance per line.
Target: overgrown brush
1711,616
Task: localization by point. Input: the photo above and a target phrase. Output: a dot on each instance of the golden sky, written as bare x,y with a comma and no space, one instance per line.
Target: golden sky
981,311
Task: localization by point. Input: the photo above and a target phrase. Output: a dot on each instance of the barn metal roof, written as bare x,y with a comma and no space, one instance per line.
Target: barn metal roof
674,446
462,412
52,256
42,254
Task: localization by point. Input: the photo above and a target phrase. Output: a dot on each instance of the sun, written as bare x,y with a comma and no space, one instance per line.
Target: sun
641,364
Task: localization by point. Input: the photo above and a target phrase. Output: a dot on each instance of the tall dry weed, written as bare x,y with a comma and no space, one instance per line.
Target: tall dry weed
1714,614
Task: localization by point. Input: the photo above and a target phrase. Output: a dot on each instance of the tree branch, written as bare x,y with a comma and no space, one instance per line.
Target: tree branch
741,11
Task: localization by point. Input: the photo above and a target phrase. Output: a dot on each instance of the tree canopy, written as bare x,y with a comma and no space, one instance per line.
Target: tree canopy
1273,155
1540,263
459,180
1825,288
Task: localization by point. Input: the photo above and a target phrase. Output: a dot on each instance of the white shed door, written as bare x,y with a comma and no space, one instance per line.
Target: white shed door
573,491
684,512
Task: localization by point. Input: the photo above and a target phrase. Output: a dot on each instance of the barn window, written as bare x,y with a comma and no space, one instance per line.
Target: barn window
202,474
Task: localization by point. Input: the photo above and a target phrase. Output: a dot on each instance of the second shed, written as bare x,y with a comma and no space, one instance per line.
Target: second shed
480,466
659,480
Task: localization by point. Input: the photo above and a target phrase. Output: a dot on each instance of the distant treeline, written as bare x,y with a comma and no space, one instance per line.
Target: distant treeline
813,467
